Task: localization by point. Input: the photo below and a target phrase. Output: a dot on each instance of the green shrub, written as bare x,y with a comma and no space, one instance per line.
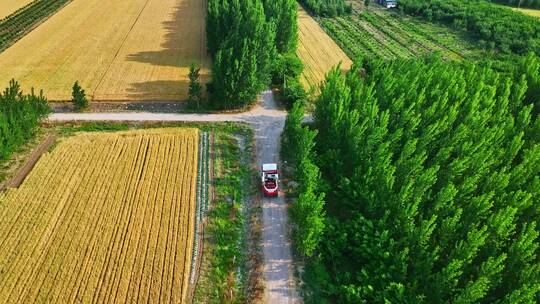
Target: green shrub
79,97
293,92
286,66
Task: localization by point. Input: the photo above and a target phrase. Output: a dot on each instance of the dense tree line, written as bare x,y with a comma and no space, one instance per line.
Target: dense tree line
307,211
19,117
16,25
327,8
496,27
431,171
246,38
521,3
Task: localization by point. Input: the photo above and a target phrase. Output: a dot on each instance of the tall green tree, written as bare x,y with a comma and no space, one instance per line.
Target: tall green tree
494,26
244,52
78,97
195,88
20,115
431,171
284,15
327,8
307,210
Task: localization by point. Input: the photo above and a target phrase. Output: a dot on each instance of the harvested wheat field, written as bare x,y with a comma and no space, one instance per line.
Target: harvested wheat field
529,11
7,7
123,50
318,51
104,217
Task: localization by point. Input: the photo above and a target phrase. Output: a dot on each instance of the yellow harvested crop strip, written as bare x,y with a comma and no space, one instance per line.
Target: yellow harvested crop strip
317,50
8,7
529,11
122,50
104,217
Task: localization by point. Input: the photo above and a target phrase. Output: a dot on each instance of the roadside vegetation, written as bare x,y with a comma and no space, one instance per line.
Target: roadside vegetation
18,24
253,43
430,174
327,8
225,273
20,115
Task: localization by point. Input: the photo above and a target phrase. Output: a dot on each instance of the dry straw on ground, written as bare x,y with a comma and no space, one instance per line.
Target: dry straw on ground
318,51
123,50
104,217
8,7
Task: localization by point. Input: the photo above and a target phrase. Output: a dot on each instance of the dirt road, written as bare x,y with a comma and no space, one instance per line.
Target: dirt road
267,121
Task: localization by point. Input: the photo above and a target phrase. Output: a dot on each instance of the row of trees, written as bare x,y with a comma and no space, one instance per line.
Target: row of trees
431,171
327,8
246,38
19,117
16,25
307,211
496,27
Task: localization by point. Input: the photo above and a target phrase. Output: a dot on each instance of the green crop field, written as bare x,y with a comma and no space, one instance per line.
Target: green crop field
382,33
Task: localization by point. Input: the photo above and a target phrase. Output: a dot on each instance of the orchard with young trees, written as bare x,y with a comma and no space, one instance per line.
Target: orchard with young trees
247,40
327,8
19,117
494,26
431,175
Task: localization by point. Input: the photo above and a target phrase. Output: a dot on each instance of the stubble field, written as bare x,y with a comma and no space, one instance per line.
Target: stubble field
104,218
317,50
8,7
125,50
529,11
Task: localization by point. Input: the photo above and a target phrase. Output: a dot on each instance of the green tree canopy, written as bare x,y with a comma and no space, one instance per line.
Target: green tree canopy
432,177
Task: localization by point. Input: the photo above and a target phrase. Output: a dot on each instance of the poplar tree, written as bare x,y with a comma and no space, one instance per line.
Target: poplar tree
432,178
19,117
195,88
307,210
78,97
284,15
244,51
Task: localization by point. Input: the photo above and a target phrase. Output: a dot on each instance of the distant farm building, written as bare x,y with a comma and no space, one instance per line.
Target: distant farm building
388,3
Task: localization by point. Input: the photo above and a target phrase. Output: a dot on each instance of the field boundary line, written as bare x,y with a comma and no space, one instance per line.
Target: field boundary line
201,210
119,48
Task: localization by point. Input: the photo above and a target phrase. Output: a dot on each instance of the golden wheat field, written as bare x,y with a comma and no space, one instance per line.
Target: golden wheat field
122,50
8,7
317,50
103,218
529,11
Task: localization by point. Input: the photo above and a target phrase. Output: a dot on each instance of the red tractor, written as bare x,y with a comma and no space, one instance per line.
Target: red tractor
269,179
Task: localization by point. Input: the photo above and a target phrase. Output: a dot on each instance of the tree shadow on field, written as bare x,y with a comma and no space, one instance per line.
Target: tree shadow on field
184,41
183,44
159,90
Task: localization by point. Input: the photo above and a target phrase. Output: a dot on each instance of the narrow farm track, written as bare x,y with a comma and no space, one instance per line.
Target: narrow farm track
267,121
